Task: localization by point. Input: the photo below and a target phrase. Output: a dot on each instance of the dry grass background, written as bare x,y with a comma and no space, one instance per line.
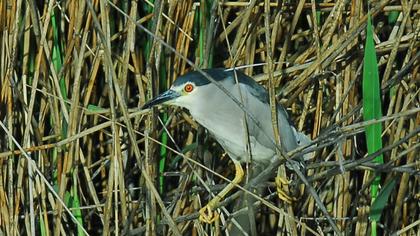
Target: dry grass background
78,156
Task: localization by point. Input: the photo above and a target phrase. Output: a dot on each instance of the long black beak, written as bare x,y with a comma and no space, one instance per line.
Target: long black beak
162,98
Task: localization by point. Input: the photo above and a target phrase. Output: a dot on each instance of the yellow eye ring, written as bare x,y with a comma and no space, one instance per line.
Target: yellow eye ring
188,88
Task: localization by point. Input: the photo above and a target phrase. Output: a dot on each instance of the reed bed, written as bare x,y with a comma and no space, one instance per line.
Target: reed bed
78,156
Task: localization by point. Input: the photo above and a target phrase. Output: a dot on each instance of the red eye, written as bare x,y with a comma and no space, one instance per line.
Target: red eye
188,88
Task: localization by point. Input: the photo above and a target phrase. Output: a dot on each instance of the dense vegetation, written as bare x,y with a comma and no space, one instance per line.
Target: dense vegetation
77,155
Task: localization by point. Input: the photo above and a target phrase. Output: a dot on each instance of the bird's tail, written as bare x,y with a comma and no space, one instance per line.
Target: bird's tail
303,140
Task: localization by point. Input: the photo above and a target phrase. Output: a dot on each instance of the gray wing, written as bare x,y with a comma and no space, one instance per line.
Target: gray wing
254,88
291,138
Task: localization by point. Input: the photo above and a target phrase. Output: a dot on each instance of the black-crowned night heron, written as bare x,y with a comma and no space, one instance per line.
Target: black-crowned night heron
225,120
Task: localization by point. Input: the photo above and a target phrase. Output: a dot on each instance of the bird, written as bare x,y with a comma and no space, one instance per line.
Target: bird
244,130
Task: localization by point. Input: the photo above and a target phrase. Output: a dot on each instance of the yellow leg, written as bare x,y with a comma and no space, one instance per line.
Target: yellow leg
280,182
207,213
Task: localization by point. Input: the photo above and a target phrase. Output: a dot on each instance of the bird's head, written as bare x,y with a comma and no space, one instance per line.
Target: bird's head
189,90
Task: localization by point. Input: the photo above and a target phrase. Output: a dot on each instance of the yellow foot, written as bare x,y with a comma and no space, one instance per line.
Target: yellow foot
280,182
208,215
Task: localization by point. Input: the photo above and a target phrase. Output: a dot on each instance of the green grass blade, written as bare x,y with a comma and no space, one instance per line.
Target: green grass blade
372,106
94,108
371,96
75,203
163,154
381,200
202,25
57,57
186,149
42,228
202,31
164,138
318,15
393,17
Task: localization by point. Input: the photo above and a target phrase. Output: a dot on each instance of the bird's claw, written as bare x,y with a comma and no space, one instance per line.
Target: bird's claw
281,193
208,215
